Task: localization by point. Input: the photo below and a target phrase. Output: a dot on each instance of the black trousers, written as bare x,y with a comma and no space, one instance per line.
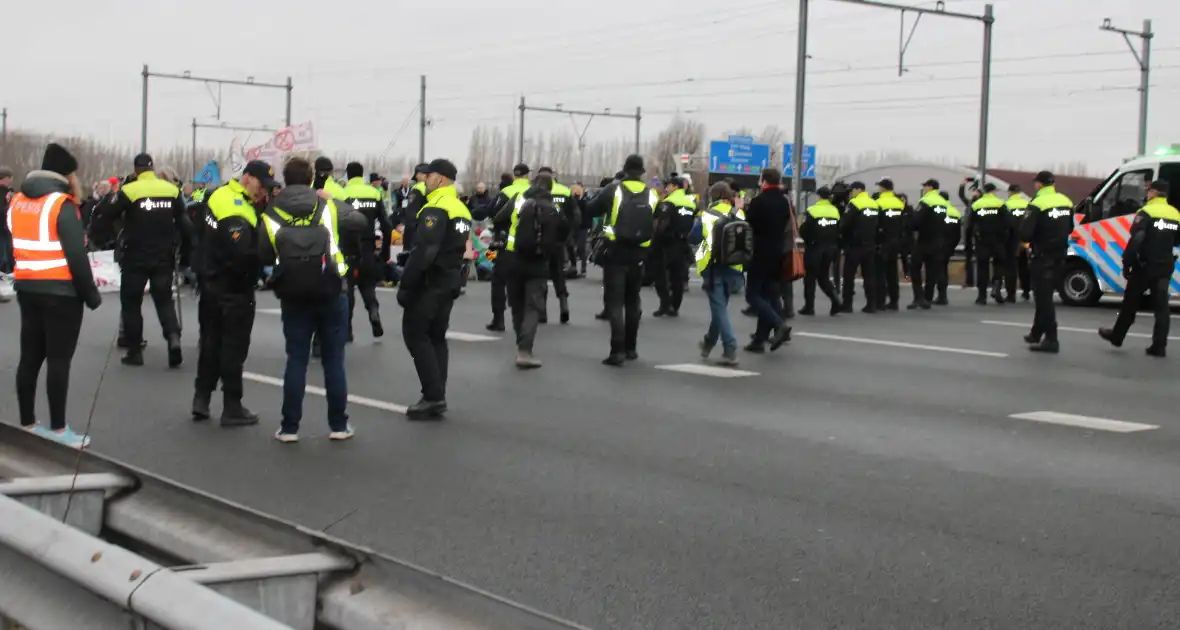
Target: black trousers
888,282
133,281
985,257
817,264
424,329
501,271
944,274
621,283
557,274
226,322
1137,285
925,264
864,259
526,296
1046,274
363,276
1022,269
49,327
671,261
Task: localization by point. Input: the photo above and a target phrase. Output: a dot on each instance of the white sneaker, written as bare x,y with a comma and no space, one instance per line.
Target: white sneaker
339,436
286,438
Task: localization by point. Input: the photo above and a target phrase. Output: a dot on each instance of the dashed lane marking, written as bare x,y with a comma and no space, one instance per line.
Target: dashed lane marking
902,344
706,370
319,391
1091,331
1085,422
271,311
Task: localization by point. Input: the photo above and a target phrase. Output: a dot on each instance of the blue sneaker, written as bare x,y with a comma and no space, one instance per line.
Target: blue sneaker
66,437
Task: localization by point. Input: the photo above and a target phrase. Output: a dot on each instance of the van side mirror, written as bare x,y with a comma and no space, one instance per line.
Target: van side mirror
1087,208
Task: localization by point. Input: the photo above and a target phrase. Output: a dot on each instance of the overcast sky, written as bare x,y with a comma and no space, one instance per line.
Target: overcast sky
1062,89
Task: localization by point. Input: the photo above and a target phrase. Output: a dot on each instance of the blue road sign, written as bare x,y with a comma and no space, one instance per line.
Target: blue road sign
808,160
741,139
739,158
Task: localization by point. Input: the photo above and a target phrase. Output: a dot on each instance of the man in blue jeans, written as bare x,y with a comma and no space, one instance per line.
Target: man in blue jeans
303,240
721,281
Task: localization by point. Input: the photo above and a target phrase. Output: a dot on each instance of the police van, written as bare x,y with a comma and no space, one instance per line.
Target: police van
1102,226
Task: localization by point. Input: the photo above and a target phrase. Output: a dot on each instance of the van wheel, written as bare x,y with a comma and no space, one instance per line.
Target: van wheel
1079,286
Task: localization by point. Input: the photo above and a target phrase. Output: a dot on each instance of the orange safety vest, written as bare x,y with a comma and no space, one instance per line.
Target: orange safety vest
35,243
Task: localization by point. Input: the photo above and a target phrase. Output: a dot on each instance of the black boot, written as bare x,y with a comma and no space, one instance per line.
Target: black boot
782,335
175,355
602,315
1049,346
201,406
807,310
614,360
497,324
564,302
427,410
1108,334
375,322
1157,351
234,414
134,357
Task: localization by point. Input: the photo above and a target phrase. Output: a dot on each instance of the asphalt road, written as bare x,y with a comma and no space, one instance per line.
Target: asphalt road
869,475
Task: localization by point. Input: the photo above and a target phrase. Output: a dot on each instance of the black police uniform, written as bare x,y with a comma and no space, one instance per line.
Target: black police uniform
501,223
989,228
954,233
365,265
570,213
820,231
155,222
929,231
1148,264
674,220
227,276
429,286
1046,228
858,232
527,288
890,236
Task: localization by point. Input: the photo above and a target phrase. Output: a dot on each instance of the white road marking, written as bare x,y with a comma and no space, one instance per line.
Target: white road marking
455,335
902,344
706,370
319,391
271,311
1085,422
1092,331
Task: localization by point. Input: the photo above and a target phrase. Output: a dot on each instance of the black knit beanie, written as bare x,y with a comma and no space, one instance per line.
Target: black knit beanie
58,160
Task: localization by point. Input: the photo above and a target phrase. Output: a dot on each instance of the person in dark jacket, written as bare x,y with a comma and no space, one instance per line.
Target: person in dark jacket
53,282
769,215
890,235
481,203
819,227
675,217
928,227
155,222
501,216
858,231
1046,228
5,237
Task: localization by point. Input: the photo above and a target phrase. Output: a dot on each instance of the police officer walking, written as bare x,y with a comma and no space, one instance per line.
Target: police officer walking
627,209
674,220
533,240
501,222
303,240
929,229
570,215
891,233
364,263
989,226
227,276
1046,228
412,205
1148,264
820,231
1017,204
859,233
431,282
155,221
953,228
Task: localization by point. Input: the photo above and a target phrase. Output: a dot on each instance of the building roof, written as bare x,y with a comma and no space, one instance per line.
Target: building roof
1072,186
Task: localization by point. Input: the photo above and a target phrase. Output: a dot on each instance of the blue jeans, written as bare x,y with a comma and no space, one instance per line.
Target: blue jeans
328,320
720,283
762,293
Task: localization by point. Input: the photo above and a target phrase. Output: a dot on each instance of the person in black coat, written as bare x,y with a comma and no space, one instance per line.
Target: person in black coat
769,215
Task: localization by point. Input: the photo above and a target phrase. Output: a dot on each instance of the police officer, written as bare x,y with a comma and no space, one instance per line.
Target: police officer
1017,204
227,276
674,220
1148,264
501,223
533,240
302,238
1046,228
953,227
820,231
928,226
622,258
891,233
412,205
154,223
364,263
325,181
989,226
858,232
569,211
431,282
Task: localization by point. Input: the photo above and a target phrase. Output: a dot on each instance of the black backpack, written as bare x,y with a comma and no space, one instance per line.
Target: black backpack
733,240
634,220
538,226
305,268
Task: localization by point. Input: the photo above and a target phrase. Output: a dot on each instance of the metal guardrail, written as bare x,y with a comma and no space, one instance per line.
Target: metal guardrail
222,559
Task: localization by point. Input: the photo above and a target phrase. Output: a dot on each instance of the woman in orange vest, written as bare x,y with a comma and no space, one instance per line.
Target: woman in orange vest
52,280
